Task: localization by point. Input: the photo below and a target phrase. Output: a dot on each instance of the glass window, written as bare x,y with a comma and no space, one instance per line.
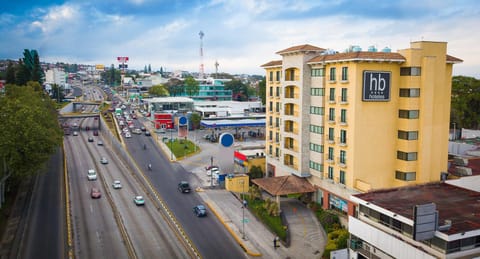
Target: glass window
270,135
343,156
270,120
270,106
332,95
408,135
333,75
342,177
408,114
407,156
409,92
277,77
330,173
344,73
331,134
344,94
343,116
405,176
317,91
271,76
331,114
330,153
343,136
317,110
410,71
318,72
271,91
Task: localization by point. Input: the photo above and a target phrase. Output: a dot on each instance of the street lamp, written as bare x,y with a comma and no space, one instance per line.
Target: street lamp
171,144
454,131
244,204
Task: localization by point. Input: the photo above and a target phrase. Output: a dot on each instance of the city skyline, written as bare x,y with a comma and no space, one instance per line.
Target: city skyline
239,35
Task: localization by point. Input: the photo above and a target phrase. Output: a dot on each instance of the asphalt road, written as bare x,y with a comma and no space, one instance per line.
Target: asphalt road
207,233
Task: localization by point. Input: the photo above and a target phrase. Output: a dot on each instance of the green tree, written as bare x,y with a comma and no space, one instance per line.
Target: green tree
195,119
30,130
10,75
174,86
21,74
255,172
191,86
465,108
262,90
158,90
239,89
57,93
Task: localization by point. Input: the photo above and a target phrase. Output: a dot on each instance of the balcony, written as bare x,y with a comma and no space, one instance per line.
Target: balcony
330,161
330,139
331,99
331,119
292,96
342,122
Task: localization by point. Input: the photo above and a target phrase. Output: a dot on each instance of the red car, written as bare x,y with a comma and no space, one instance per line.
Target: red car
95,133
95,193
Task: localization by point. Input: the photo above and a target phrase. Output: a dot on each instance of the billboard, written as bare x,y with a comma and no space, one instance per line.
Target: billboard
376,86
99,67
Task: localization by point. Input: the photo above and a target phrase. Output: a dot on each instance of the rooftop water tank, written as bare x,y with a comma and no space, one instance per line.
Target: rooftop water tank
386,49
372,49
356,48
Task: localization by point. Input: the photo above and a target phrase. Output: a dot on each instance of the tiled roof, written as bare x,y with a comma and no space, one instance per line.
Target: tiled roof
359,55
305,47
452,59
283,185
273,63
461,206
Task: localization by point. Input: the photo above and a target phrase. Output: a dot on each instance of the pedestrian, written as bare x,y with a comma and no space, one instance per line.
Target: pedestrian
275,242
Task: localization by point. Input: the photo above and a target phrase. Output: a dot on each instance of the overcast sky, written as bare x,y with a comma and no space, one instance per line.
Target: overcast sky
240,34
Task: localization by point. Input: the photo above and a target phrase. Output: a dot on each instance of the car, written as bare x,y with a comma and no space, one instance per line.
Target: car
100,143
103,160
128,135
90,139
95,193
134,116
137,131
75,133
91,175
95,133
184,187
213,170
142,128
116,184
139,200
200,210
147,133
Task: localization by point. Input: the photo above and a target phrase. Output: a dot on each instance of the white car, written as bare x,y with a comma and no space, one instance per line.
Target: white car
139,200
117,185
75,133
91,175
103,160
128,135
137,131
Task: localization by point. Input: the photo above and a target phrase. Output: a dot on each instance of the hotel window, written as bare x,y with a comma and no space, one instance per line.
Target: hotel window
407,156
343,157
316,166
343,137
408,114
331,114
271,76
330,173
344,95
277,93
343,116
342,177
410,71
270,120
317,91
333,75
344,73
277,152
270,106
270,135
271,91
405,176
270,149
331,98
318,72
277,107
331,134
277,122
277,76
330,153
277,137
317,110
408,135
409,92
316,148
316,129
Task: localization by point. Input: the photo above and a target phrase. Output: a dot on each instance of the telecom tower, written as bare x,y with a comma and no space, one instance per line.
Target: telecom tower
201,34
216,68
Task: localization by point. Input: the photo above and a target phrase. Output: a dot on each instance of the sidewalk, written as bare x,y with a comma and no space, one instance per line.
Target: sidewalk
308,239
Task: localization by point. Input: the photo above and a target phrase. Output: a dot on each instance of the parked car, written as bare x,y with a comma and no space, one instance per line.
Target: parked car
91,175
200,210
95,193
116,184
103,160
184,187
139,200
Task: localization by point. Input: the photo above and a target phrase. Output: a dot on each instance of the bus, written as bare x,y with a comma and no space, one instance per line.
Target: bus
118,111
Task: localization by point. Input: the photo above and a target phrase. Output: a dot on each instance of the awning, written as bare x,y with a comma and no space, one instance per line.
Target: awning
233,123
283,185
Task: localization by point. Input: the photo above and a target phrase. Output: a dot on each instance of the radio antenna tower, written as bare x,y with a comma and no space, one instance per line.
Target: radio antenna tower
201,34
216,68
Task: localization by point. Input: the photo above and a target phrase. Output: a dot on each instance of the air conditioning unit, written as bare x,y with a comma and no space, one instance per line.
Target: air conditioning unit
463,171
460,161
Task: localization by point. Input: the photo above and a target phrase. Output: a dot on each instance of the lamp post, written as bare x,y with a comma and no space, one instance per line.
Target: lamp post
454,131
244,204
211,173
171,144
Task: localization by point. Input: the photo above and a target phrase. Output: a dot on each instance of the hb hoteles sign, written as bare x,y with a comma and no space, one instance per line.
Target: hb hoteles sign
376,86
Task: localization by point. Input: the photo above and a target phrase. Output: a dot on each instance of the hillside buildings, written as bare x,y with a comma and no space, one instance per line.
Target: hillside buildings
359,121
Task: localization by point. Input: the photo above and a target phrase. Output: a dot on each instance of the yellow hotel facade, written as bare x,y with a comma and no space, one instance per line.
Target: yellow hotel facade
358,121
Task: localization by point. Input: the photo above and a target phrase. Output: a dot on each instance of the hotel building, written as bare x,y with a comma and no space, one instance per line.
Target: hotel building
358,121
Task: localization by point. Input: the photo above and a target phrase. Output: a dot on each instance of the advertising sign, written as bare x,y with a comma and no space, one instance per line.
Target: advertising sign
376,86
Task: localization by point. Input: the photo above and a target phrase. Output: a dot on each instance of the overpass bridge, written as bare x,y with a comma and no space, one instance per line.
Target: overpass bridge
76,104
63,117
